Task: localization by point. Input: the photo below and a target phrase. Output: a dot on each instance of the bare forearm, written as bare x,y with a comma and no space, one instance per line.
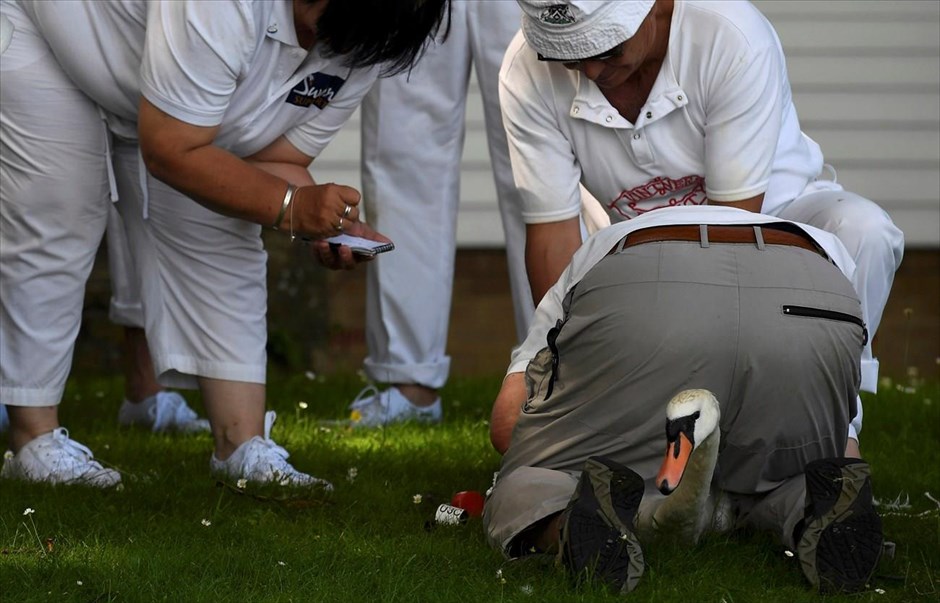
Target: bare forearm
222,182
852,450
295,174
256,192
548,251
506,410
186,157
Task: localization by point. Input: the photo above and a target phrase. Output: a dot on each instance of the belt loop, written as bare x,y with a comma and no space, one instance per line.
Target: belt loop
620,245
703,235
759,237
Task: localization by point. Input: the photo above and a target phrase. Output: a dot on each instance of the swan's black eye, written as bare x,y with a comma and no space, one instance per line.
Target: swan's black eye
684,425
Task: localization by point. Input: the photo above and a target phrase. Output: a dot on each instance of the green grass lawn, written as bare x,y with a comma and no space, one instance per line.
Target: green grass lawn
172,534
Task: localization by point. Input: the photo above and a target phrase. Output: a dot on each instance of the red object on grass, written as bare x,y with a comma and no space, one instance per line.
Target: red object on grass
469,500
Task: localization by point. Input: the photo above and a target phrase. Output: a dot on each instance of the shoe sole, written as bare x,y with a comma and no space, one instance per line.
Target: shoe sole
101,479
601,546
842,544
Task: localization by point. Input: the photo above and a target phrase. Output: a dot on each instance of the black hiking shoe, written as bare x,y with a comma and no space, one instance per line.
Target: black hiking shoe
597,538
841,539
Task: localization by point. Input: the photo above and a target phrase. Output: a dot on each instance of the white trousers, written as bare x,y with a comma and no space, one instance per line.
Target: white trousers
412,143
53,211
202,275
126,308
202,281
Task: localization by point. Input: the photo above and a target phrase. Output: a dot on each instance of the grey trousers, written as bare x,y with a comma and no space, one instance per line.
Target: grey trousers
657,318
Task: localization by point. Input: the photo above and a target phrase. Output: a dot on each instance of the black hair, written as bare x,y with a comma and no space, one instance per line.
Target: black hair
389,32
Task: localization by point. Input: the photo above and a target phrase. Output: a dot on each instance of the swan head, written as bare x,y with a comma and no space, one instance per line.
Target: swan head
691,417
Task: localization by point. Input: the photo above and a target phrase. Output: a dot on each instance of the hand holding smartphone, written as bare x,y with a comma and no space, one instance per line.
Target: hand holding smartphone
360,245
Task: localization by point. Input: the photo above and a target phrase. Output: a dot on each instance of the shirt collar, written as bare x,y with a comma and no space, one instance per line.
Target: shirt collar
666,95
280,25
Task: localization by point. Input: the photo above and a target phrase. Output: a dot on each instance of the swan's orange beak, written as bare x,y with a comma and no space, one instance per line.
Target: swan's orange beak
677,457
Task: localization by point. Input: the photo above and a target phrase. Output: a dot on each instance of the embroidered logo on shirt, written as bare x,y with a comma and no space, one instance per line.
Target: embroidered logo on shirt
317,89
557,14
659,192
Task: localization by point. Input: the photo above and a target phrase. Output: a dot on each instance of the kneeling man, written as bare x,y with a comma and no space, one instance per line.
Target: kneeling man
758,317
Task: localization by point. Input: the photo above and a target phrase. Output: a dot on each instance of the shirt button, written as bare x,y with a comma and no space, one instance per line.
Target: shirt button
272,29
575,110
649,114
636,137
679,97
609,119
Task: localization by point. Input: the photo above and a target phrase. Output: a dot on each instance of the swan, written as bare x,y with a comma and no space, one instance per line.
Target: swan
685,476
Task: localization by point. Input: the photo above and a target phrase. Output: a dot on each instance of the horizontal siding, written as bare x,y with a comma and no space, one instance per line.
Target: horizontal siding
841,11
858,144
866,82
888,109
911,74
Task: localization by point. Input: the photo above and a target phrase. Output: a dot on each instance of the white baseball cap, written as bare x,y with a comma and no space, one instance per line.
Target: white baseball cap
571,30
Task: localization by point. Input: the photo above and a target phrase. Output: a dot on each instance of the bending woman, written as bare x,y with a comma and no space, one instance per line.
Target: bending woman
200,119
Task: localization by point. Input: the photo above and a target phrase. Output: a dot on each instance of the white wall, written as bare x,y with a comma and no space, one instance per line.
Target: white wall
866,82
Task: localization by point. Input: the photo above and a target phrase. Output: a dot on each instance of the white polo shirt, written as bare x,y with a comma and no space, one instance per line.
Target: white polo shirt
230,63
596,248
719,124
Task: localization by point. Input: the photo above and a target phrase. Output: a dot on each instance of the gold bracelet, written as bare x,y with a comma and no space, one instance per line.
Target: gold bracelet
288,197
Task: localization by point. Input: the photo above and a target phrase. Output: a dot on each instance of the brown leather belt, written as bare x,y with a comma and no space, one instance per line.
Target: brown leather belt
772,234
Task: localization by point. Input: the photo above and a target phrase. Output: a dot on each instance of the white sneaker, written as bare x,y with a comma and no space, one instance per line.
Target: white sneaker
55,459
373,408
166,411
261,461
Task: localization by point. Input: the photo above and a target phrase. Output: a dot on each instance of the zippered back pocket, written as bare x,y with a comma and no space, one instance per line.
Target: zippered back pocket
828,314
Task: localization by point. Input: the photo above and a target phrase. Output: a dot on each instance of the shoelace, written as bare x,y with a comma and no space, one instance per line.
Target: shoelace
60,436
275,457
170,410
269,418
371,403
77,453
269,450
367,397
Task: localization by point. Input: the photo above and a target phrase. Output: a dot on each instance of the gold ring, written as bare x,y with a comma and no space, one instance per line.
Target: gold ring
347,210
